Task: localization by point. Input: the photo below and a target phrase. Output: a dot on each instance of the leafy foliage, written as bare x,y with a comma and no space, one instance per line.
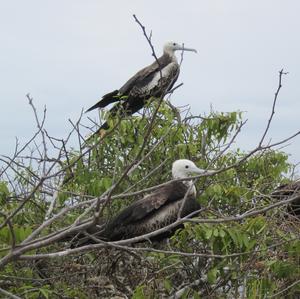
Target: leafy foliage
253,257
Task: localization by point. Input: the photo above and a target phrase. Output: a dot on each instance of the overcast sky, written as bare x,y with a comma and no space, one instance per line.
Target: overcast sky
68,53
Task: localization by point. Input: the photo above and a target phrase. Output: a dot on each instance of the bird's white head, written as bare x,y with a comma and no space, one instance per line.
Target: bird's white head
171,47
184,168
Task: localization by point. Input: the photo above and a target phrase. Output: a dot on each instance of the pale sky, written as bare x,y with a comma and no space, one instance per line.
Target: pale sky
68,53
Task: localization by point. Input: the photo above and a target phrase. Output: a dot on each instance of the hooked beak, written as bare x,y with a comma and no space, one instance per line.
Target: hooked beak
183,48
197,170
189,49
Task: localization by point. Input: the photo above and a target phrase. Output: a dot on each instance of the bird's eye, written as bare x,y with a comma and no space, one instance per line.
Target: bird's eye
174,44
186,166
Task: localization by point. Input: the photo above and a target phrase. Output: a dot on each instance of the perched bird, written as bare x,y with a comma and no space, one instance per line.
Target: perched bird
152,212
288,191
154,80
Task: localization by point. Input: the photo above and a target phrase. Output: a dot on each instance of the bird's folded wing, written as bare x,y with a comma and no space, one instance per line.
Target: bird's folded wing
150,203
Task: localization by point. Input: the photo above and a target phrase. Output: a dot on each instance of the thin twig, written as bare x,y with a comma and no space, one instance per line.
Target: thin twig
8,294
281,73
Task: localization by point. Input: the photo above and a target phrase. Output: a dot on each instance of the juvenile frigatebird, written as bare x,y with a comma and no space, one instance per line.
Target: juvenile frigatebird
154,211
154,80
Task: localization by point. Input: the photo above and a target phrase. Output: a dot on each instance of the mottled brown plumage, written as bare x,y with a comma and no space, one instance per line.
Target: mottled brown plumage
152,212
152,81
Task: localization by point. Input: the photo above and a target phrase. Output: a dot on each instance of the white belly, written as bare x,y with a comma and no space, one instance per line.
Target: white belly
165,73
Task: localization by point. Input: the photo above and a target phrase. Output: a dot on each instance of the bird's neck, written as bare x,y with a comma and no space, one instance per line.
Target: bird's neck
171,54
191,187
189,184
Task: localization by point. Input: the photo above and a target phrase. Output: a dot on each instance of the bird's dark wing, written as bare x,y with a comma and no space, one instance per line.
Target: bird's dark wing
149,204
140,76
145,75
137,218
136,96
106,100
128,107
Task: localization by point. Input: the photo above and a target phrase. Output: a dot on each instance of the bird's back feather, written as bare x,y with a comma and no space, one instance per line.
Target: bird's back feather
152,212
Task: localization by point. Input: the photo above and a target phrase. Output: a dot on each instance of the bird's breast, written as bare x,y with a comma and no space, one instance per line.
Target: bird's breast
162,80
164,216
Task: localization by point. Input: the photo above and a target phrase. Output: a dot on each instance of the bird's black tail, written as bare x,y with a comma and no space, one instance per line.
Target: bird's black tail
107,99
121,109
89,236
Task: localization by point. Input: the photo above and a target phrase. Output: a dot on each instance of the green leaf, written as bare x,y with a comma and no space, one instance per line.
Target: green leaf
216,232
45,292
167,285
212,275
245,240
208,233
233,236
196,295
222,233
139,293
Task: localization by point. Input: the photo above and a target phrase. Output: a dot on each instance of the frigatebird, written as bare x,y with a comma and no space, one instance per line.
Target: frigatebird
154,80
154,211
288,191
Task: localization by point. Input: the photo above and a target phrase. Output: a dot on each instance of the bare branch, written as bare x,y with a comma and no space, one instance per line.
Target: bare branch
281,73
285,289
148,38
8,294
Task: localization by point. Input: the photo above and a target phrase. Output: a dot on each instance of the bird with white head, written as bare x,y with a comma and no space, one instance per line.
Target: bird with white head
171,47
184,168
154,211
154,80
